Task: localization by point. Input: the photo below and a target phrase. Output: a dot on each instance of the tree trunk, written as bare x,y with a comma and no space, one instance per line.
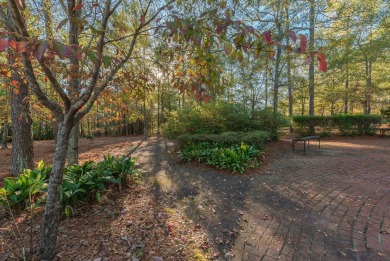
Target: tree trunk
311,66
73,145
47,247
346,92
22,141
276,81
4,136
367,91
332,108
289,83
266,85
278,18
74,82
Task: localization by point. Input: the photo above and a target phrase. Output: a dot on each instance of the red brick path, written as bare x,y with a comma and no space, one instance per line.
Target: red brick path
331,204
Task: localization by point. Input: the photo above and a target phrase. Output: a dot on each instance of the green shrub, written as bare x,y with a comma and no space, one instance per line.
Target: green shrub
322,124
386,114
347,125
216,118
234,158
30,185
80,182
119,167
254,138
352,125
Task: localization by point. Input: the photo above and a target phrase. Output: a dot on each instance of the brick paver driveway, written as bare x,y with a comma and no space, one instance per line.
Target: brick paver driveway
331,204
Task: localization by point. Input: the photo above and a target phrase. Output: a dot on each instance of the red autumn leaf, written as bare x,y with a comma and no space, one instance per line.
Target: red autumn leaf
40,49
292,35
77,7
15,83
267,36
219,29
16,91
20,117
62,50
3,44
78,53
62,23
307,60
198,96
207,98
19,47
94,5
142,19
322,65
303,43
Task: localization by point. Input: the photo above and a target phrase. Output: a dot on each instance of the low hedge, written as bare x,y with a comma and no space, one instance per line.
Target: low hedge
253,138
345,124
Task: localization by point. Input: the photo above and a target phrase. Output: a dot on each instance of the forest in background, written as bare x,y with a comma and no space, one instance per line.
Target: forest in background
119,67
167,75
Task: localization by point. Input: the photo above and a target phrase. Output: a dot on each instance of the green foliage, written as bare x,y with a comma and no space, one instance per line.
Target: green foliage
254,138
323,124
357,124
42,131
347,125
234,158
119,167
386,114
81,183
31,184
216,118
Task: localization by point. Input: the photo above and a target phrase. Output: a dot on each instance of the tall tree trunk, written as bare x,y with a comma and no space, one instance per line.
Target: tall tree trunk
332,107
279,17
266,85
73,146
158,106
346,92
367,91
47,247
311,66
5,134
22,141
74,80
289,83
276,81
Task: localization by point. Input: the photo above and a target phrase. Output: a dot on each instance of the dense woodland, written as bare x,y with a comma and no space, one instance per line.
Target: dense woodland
122,67
166,75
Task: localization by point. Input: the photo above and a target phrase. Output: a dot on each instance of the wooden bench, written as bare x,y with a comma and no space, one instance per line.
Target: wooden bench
304,140
383,130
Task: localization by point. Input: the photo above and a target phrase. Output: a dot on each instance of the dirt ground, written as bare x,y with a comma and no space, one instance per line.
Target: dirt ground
90,149
145,222
189,211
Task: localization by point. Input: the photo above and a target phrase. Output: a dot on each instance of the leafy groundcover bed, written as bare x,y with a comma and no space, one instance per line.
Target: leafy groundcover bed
125,225
234,151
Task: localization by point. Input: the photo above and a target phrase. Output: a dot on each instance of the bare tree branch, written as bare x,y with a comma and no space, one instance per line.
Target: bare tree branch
115,7
4,19
95,75
55,84
17,17
34,85
119,66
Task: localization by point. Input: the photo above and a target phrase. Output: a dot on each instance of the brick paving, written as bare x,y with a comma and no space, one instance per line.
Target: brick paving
331,204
